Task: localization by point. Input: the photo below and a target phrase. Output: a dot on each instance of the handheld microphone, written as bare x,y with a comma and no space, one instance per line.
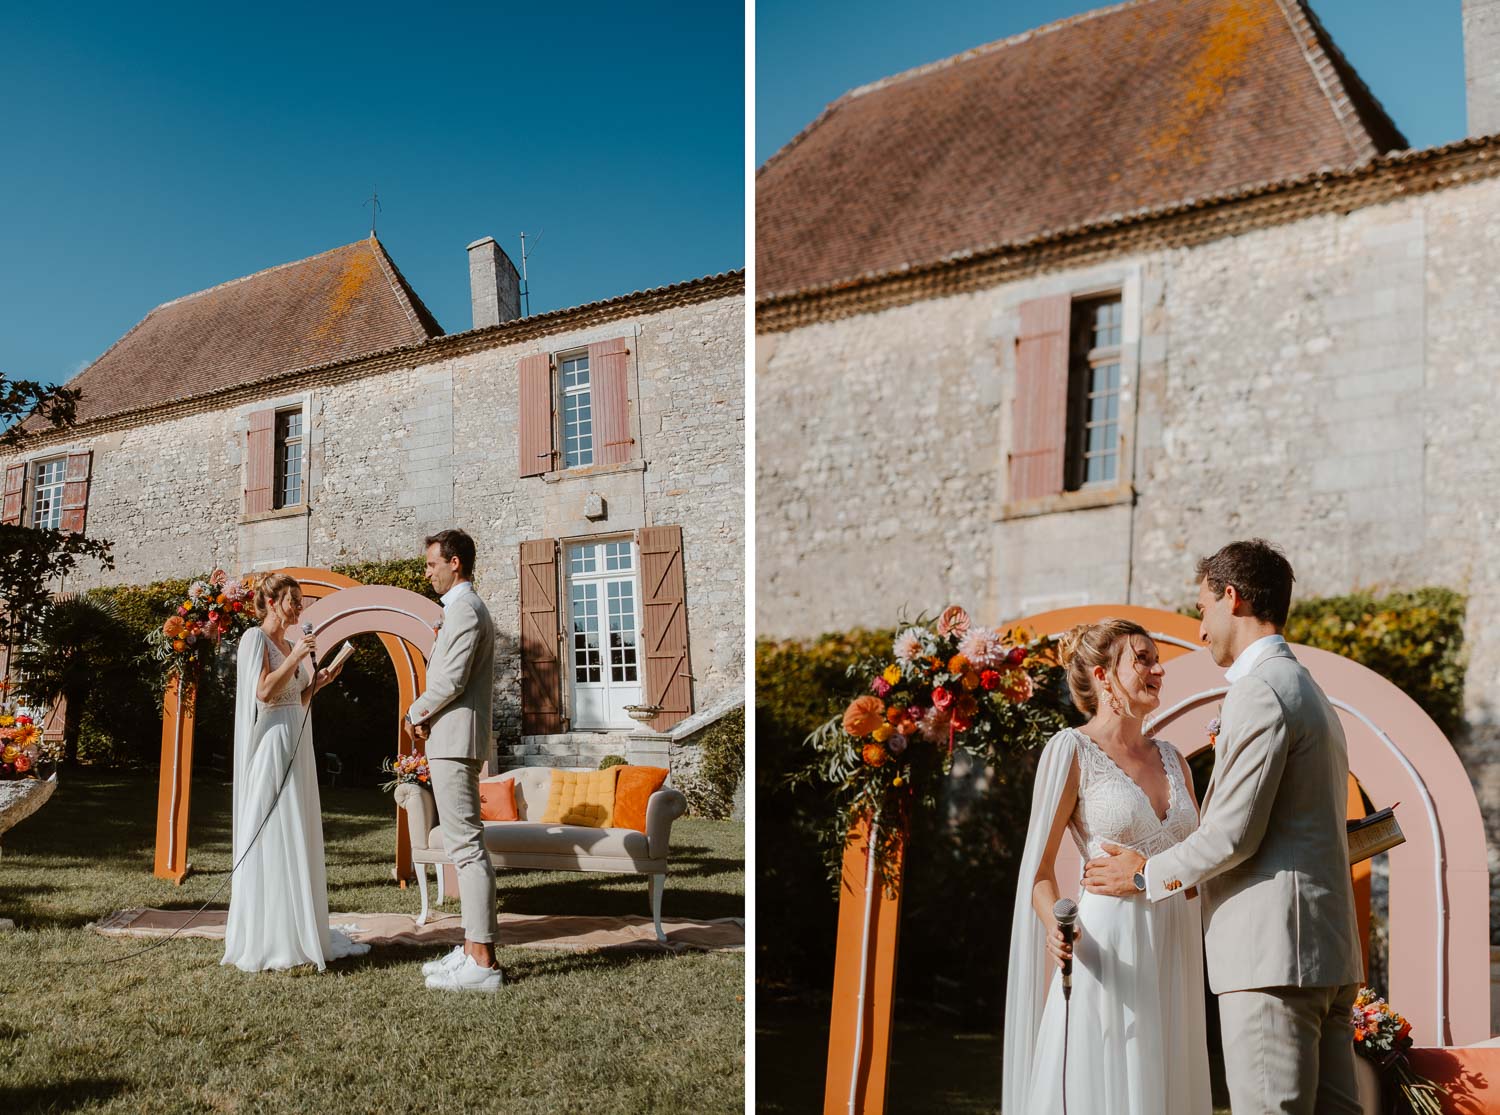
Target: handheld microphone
1066,913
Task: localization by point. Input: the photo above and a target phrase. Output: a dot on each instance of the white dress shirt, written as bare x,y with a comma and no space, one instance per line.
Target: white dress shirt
1251,655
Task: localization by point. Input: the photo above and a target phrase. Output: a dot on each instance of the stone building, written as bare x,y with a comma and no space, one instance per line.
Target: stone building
316,413
1041,323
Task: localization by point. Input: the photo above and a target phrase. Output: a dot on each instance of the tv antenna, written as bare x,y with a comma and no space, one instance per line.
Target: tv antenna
374,203
525,283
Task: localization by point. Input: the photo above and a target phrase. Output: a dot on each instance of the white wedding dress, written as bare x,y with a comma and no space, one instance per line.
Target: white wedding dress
278,898
1136,1043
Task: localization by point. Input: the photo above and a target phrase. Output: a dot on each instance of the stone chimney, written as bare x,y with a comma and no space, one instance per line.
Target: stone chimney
1482,65
494,284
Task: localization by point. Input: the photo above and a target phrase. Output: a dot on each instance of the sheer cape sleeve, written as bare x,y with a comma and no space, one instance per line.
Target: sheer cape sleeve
251,658
1029,971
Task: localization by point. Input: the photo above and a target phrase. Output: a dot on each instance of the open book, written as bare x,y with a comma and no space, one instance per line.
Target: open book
1369,836
344,652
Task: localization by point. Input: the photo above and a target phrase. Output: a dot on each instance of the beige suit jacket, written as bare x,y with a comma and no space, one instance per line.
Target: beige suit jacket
459,699
1270,856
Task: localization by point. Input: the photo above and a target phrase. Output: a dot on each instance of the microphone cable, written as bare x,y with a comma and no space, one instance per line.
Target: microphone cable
1066,913
270,812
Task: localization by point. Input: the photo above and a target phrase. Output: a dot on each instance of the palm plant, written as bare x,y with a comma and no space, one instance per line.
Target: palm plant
74,647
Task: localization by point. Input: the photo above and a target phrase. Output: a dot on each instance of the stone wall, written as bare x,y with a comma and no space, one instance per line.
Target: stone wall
1330,384
395,456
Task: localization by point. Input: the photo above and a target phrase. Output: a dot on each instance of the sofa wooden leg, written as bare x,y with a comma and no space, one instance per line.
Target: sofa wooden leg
422,887
658,884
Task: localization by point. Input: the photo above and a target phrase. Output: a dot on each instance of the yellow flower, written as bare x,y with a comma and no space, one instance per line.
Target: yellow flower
896,781
882,733
892,673
7,721
10,753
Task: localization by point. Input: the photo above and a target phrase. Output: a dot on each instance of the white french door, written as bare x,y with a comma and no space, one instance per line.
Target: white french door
604,633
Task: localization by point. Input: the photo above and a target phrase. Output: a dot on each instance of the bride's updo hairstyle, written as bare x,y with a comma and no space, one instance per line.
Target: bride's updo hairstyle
271,588
1087,645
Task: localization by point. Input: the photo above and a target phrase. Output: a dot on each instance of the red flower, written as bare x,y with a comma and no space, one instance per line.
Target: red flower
990,679
1016,656
941,699
24,719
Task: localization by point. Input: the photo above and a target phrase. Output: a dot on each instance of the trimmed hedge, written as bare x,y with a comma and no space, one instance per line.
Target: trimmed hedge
721,767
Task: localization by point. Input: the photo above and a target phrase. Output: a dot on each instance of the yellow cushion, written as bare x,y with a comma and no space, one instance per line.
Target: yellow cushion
581,797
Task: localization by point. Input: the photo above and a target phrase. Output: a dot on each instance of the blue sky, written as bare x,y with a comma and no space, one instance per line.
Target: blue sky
152,150
806,55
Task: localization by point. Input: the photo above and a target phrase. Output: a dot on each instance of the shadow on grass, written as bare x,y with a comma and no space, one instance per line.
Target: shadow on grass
61,1095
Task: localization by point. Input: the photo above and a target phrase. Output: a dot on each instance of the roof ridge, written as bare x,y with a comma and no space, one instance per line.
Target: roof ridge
950,60
416,310
1352,92
253,275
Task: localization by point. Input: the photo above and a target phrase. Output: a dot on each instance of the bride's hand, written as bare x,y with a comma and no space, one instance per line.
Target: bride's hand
1055,946
305,646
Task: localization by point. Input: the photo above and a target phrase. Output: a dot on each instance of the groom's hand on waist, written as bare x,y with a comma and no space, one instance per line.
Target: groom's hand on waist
1114,873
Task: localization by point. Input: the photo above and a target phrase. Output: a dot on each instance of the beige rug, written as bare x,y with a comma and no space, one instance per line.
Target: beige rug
538,931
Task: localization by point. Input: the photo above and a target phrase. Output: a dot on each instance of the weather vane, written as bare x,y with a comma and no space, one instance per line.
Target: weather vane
374,203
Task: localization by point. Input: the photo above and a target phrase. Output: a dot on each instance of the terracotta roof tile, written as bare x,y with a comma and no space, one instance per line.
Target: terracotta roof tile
338,305
1143,104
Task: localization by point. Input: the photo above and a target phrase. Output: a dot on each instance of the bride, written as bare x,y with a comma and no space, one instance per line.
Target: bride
1135,1039
278,903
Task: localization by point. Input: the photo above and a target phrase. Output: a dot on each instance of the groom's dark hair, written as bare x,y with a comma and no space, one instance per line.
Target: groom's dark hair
1259,572
455,544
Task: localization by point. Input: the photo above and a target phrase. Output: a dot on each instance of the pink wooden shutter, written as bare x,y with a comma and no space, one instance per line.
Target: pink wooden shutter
669,680
15,495
541,670
260,462
1040,427
75,497
609,379
536,415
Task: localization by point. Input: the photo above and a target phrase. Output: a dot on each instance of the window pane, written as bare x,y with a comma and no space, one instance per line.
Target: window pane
578,413
617,555
583,559
46,503
288,491
587,655
1099,438
621,630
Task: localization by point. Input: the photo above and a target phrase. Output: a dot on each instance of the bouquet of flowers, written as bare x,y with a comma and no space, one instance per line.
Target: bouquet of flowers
1383,1037
406,768
948,684
21,748
215,607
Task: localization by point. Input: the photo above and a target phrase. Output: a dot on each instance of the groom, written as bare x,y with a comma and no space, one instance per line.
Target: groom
452,716
1270,855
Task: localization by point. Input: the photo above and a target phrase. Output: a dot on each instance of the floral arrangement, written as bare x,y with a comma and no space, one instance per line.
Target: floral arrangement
216,606
22,751
406,768
1384,1037
948,685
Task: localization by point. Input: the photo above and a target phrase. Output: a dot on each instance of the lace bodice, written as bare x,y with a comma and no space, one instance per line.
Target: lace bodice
290,692
1112,809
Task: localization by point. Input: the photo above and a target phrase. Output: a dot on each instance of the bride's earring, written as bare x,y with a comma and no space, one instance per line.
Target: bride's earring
1114,703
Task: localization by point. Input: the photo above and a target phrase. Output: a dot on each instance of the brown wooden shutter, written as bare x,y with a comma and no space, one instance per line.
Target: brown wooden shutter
541,669
609,381
669,681
15,494
75,496
536,415
1040,422
260,462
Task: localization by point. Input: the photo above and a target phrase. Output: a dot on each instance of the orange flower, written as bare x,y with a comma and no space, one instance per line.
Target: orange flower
1359,1035
863,716
173,626
971,678
967,707
957,664
179,644
874,754
221,599
894,714
907,727
23,762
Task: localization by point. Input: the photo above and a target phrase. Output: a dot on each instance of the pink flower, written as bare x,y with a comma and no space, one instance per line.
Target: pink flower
941,699
880,687
908,645
984,648
218,578
1017,685
934,726
954,621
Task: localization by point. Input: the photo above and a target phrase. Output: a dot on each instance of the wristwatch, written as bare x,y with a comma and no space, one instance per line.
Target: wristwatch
1139,878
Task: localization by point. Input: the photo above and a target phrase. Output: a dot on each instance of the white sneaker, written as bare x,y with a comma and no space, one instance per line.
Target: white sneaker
445,963
467,976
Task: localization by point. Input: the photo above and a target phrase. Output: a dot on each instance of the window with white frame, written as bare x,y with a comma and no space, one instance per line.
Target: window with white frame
603,632
577,409
1093,441
288,490
47,493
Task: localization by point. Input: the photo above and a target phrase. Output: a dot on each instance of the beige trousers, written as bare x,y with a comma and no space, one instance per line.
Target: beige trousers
455,789
1289,1049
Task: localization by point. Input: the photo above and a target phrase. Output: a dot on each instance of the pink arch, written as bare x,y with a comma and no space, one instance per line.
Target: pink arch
363,609
1439,898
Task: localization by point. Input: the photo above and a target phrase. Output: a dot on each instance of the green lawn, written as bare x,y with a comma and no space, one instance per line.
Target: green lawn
174,1031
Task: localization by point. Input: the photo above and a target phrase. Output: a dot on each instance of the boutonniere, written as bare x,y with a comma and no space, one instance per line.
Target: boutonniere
438,626
1213,731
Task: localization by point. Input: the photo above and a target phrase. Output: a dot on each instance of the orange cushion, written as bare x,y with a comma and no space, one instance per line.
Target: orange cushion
497,800
633,789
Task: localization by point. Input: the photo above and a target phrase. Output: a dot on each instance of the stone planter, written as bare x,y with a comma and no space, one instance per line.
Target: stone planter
23,797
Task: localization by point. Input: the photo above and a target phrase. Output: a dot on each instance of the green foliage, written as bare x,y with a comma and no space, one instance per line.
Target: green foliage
32,561
1413,639
721,767
80,644
613,761
407,573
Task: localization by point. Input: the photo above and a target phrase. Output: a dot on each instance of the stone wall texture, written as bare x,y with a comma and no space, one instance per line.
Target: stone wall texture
1330,384
399,454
